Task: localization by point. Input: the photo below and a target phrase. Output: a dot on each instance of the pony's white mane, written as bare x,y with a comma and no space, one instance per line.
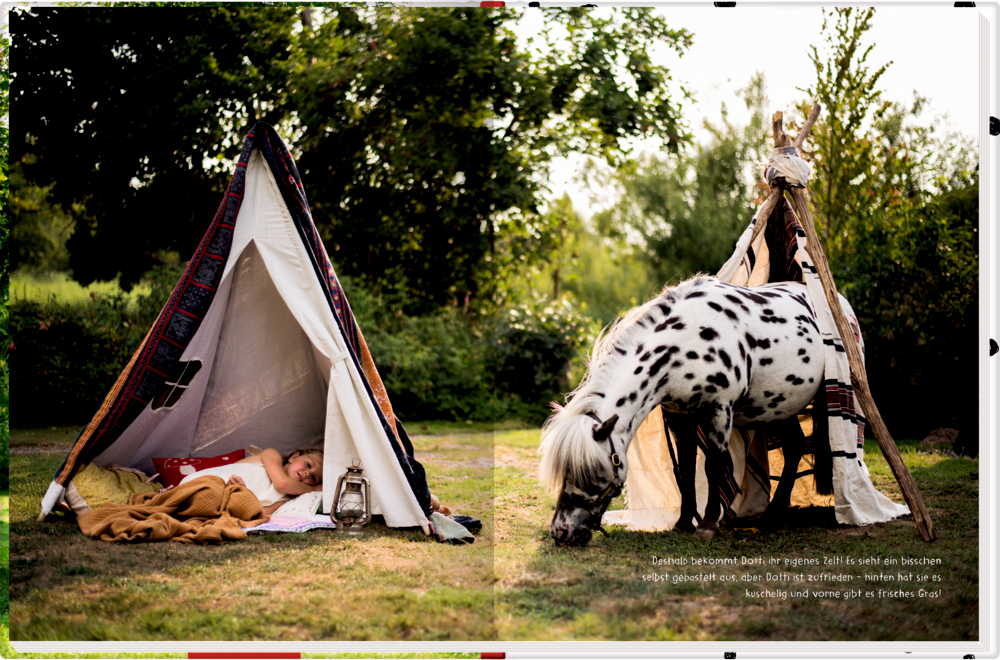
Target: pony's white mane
569,453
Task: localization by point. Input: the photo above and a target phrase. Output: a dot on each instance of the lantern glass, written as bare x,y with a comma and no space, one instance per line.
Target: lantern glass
352,500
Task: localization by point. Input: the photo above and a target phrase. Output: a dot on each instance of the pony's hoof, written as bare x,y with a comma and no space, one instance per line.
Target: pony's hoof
705,533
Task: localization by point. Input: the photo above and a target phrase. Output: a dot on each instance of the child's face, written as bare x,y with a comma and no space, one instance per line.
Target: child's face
306,468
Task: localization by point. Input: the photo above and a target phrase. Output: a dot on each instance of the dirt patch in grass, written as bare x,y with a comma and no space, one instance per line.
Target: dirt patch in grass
526,461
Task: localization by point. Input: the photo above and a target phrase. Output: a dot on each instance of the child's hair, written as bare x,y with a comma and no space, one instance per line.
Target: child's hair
306,450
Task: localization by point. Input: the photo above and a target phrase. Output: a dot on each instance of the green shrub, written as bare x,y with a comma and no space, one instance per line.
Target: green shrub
64,358
433,366
538,352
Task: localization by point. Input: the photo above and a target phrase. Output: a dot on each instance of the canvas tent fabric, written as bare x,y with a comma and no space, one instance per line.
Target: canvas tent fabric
261,320
652,496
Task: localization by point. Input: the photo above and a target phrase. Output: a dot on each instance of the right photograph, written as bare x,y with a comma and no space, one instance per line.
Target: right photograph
753,298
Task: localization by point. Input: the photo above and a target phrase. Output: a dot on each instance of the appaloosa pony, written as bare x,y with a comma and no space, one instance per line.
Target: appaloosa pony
713,355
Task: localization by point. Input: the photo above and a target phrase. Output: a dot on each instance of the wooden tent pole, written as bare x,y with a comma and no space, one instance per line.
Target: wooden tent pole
859,377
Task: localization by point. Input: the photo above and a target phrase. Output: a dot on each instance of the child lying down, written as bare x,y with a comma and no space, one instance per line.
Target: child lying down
273,478
209,510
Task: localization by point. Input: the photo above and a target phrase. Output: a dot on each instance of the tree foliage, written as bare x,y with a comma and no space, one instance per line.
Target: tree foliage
423,135
684,214
123,110
899,207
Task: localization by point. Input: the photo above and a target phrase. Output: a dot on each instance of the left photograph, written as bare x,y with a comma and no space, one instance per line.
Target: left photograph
248,365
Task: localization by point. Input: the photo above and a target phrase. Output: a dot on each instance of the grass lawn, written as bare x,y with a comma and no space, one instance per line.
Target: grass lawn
41,287
386,585
598,592
511,585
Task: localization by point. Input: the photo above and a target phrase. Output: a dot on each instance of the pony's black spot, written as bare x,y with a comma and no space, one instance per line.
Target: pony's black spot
711,389
805,360
656,366
638,349
731,298
802,351
811,380
725,359
621,351
659,349
731,314
631,397
646,356
765,361
802,301
743,351
692,355
768,395
676,364
764,343
736,370
769,312
696,388
790,377
643,385
716,306
721,437
689,376
664,309
621,402
719,379
694,294
678,326
752,296
638,370
709,358
708,334
798,381
673,349
751,342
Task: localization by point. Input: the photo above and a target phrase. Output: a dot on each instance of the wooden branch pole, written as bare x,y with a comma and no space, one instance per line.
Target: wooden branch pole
859,378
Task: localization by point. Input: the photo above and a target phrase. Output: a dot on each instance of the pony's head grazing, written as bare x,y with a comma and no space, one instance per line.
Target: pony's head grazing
581,471
584,444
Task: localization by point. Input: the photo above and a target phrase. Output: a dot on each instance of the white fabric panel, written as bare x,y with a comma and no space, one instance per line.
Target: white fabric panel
264,389
168,432
391,494
352,425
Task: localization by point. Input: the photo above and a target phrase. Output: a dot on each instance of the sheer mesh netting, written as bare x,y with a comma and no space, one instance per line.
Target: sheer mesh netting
265,387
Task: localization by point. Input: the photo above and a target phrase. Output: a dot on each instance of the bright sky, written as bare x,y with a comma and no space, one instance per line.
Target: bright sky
934,50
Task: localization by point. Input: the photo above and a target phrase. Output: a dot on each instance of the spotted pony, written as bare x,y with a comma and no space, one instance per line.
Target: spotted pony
712,355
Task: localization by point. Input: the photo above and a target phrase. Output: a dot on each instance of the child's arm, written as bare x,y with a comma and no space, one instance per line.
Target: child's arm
276,471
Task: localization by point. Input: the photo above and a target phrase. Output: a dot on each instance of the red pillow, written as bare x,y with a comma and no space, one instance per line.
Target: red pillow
172,470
